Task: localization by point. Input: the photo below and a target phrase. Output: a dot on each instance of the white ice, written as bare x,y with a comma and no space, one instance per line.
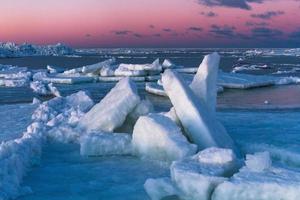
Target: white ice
197,177
260,180
113,109
160,188
199,123
204,84
158,137
104,144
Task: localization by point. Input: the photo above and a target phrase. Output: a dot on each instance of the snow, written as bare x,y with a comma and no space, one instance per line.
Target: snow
158,137
269,184
104,144
197,176
160,188
113,109
259,161
205,81
199,123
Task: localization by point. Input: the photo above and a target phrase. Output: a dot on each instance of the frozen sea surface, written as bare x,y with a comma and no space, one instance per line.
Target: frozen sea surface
64,174
14,120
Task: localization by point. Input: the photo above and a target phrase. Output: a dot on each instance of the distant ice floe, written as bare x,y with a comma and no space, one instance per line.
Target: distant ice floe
10,49
273,52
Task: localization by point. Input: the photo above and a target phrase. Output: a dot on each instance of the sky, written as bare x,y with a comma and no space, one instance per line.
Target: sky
152,23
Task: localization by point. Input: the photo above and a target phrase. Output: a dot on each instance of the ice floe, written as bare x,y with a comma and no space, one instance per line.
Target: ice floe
104,144
199,123
158,137
259,180
113,109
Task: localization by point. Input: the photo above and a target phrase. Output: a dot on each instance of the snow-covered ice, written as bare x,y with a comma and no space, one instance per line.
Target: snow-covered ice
160,188
113,109
259,180
196,177
158,137
155,66
105,144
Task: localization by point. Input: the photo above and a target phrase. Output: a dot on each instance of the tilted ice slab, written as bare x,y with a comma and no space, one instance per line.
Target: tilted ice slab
197,177
113,109
259,180
199,123
104,144
204,84
157,137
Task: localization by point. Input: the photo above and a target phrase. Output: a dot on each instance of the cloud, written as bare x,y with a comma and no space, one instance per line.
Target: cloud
88,35
151,26
242,4
137,35
263,32
256,23
194,28
157,35
122,32
222,31
209,14
167,30
268,15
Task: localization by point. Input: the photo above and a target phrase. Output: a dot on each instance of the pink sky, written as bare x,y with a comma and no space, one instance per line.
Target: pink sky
125,23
